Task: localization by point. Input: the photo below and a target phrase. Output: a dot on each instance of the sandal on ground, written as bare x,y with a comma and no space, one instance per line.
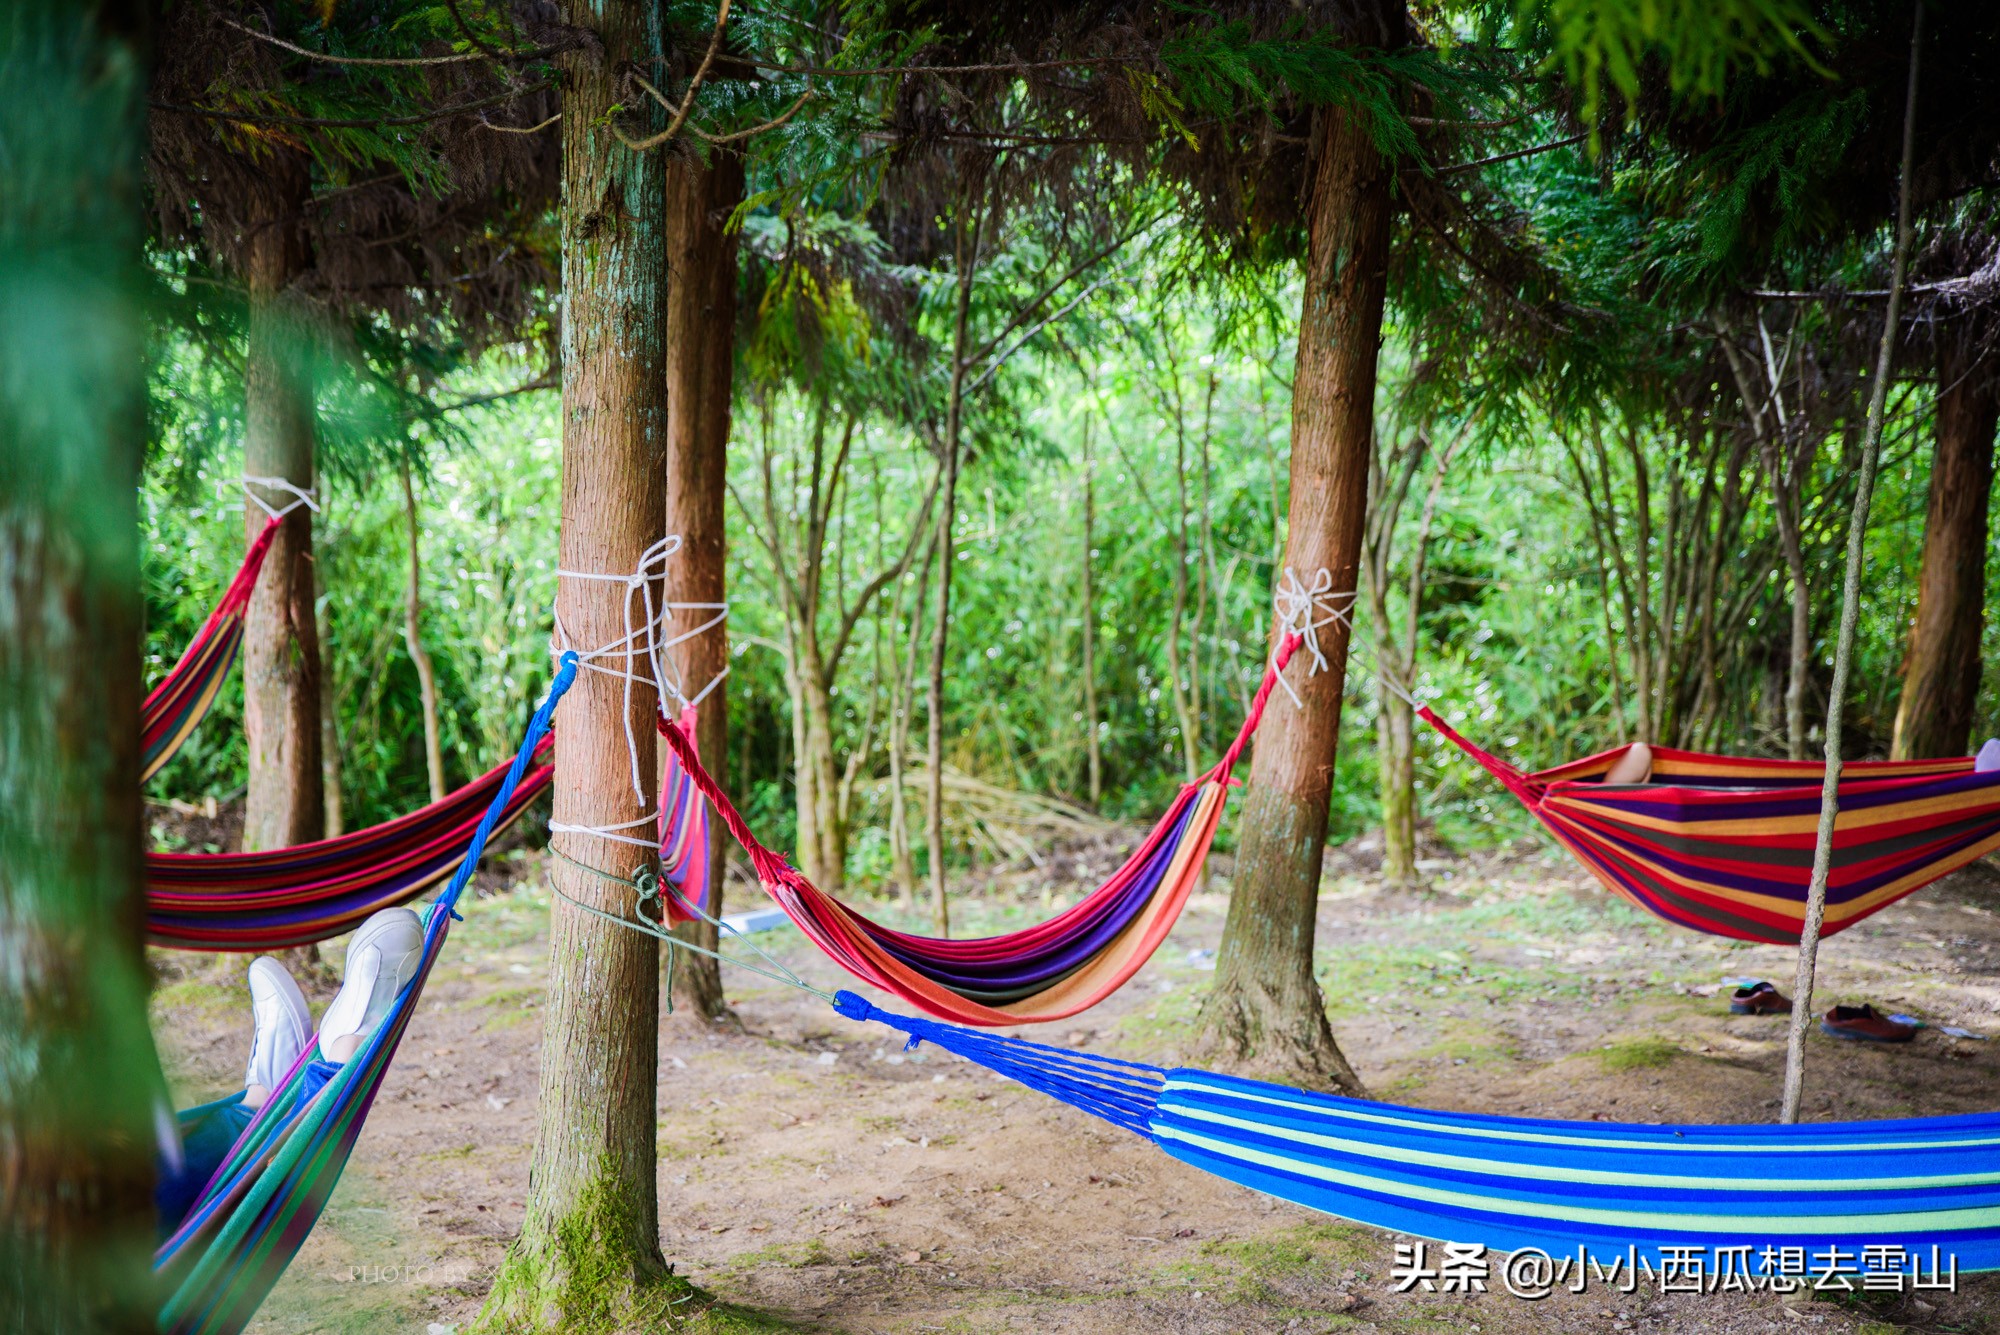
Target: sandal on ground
1866,1024
1759,999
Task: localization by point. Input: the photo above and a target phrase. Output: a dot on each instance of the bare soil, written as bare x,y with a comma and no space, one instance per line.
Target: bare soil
814,1177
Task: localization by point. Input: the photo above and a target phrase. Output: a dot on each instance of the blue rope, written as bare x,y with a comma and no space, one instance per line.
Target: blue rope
1120,1092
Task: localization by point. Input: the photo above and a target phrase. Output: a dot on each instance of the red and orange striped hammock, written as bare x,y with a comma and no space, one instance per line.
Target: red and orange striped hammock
1724,844
175,707
1049,971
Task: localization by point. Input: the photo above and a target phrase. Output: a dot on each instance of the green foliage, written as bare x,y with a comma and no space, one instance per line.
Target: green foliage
1602,46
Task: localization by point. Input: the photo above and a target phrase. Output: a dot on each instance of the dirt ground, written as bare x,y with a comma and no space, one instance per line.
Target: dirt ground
818,1179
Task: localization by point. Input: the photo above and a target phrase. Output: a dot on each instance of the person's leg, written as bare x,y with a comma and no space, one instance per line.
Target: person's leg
382,958
1635,766
194,1145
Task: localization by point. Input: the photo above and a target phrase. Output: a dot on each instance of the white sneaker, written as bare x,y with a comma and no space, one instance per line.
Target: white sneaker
382,956
1988,758
284,1025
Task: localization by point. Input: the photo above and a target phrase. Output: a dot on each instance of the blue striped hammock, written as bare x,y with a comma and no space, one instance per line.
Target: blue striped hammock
1614,1192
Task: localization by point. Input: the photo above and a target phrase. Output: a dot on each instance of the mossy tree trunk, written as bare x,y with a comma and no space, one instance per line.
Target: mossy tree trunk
284,803
1266,1011
1941,673
588,1257
701,359
78,1076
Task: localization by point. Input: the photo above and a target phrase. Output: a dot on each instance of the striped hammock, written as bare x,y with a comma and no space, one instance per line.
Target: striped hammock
310,892
255,1213
1620,1192
1046,972
175,707
1724,844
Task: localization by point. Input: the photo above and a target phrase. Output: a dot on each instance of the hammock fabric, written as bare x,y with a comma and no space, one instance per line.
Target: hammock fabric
174,708
683,832
1724,844
1046,972
309,892
1618,1191
257,1210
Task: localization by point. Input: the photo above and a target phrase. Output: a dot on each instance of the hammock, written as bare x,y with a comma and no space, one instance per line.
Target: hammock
309,892
255,1213
1621,1192
1046,972
174,708
683,832
1724,844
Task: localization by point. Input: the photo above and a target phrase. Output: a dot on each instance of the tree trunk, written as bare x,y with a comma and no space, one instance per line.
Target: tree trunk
1266,1010
1941,674
899,736
1093,750
331,785
413,639
284,804
1395,727
79,1081
589,1256
701,363
971,214
817,775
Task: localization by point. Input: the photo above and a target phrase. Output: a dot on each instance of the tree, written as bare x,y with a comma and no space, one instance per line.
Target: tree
1266,1006
1942,670
79,1081
589,1255
701,361
341,182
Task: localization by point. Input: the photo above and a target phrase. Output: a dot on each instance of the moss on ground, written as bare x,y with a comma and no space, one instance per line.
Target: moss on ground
1637,1054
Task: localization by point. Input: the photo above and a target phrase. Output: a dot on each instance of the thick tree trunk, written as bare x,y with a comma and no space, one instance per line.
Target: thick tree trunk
1266,1010
413,640
1941,674
701,363
588,1256
79,1080
284,803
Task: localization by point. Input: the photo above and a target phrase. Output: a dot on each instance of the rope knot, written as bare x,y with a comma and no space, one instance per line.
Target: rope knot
1302,609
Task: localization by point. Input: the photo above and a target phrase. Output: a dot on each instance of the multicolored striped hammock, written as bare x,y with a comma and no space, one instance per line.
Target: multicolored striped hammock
1724,844
1620,1192
255,1213
1046,972
175,707
309,892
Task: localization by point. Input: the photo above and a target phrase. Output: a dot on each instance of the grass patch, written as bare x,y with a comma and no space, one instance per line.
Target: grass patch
1636,1054
784,1255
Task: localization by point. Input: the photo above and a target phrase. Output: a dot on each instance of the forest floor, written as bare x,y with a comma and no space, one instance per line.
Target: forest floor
815,1178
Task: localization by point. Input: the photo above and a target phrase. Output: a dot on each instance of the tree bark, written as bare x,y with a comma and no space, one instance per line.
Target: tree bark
589,1256
283,804
79,1081
331,785
1941,673
1266,1010
971,216
701,363
413,640
1093,749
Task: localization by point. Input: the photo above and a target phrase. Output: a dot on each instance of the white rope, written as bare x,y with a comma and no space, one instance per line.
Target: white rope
1303,610
638,658
301,496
